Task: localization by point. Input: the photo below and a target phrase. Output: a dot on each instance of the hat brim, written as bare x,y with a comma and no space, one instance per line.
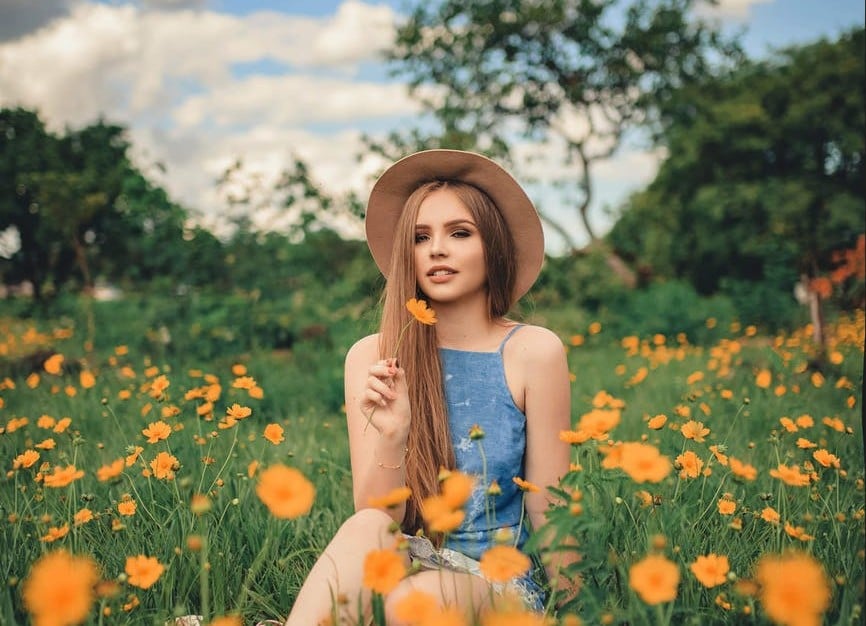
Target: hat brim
396,184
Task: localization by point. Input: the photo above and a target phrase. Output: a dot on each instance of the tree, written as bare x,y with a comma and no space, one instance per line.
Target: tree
764,181
581,71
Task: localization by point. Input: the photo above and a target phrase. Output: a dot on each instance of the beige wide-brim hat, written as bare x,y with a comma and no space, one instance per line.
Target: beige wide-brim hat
397,183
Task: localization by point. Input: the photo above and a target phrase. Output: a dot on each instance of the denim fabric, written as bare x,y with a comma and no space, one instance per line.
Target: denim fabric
477,393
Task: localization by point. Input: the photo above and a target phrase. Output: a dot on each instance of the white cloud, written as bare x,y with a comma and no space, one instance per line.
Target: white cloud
733,10
185,83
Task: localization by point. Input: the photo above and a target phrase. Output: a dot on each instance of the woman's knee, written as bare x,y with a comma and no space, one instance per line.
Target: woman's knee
369,523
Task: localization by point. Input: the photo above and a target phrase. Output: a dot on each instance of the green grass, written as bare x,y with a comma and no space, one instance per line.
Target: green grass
256,563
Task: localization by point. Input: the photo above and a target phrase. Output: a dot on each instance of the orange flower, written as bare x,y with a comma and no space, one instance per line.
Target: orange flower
86,379
383,570
825,458
797,532
54,364
644,463
573,437
285,491
711,570
25,459
164,466
63,476
274,433
156,431
143,571
694,430
689,463
62,424
790,475
46,444
657,422
502,563
793,588
721,457
743,470
420,311
599,422
158,386
457,488
238,412
393,498
727,506
763,379
244,382
655,579
788,424
112,470
59,589
514,614
54,533
525,485
127,507
226,620
770,515
415,607
132,457
82,517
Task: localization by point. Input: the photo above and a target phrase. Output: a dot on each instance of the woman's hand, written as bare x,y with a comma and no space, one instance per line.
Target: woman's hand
385,401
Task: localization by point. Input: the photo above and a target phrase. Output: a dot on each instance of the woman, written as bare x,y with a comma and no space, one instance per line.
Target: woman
457,230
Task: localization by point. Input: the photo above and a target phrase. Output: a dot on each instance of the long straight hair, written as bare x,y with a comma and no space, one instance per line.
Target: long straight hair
429,444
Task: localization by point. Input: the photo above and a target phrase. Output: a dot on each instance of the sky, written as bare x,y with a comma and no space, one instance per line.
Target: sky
202,83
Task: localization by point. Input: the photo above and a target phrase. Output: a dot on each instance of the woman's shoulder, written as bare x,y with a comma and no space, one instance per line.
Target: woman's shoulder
538,342
365,350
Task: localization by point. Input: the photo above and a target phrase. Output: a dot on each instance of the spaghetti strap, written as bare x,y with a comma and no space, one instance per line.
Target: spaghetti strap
513,330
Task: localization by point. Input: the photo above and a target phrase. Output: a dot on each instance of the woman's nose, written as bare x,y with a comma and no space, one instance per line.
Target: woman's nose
437,246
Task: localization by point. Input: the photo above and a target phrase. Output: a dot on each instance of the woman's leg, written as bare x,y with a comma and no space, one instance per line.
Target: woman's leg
340,568
469,592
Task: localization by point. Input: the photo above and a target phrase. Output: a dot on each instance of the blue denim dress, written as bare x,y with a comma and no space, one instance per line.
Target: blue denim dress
476,393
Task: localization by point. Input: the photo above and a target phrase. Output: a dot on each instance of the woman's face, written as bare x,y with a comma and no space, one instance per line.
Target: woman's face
449,253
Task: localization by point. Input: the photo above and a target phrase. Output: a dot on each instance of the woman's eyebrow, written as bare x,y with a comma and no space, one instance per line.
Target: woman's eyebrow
450,223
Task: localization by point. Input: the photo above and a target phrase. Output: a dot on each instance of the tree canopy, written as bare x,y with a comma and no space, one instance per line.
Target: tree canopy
764,178
581,72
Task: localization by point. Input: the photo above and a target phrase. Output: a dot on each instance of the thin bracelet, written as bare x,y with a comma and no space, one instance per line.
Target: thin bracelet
393,467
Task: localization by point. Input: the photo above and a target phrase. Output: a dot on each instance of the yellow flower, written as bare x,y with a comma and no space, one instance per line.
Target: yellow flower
502,563
393,498
420,311
59,589
655,579
383,570
793,589
274,433
143,571
711,570
285,491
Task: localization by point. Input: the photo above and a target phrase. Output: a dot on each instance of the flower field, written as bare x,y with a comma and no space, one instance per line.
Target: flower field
711,484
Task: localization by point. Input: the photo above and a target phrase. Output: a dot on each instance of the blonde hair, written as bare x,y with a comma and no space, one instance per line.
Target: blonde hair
429,443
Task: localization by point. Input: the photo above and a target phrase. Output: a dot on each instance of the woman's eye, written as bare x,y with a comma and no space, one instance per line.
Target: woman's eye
419,237
462,233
